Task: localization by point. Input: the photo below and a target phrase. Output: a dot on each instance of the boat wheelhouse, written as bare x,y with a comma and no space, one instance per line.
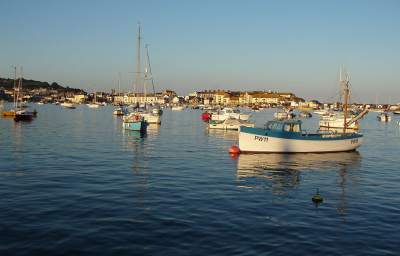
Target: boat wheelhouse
288,137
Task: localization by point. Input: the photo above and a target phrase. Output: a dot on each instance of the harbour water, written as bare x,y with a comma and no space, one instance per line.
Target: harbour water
72,182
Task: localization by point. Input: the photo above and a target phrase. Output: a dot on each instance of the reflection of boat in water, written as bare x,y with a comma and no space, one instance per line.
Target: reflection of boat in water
247,163
153,128
283,170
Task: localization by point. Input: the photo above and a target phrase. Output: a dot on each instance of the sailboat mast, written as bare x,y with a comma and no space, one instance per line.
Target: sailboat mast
146,77
119,83
137,77
19,92
15,87
345,85
149,68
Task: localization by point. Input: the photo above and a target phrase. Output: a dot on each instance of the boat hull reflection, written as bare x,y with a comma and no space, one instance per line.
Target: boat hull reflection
283,170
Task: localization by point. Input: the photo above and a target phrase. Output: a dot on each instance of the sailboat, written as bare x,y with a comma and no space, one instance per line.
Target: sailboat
94,104
11,112
288,137
134,121
21,114
119,111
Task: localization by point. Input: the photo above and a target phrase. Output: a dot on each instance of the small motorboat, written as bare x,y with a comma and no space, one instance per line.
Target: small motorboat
229,124
226,113
68,105
8,113
118,112
305,114
93,105
157,111
384,117
150,118
281,115
135,122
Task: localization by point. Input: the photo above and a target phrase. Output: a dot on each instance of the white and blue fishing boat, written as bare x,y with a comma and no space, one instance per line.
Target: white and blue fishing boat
286,136
135,122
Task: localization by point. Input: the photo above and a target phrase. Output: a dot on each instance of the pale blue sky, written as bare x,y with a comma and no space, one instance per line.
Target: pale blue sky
280,45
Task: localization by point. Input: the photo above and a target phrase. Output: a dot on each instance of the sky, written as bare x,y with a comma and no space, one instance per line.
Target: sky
295,46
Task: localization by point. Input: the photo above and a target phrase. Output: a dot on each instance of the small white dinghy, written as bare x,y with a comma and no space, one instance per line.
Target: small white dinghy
229,124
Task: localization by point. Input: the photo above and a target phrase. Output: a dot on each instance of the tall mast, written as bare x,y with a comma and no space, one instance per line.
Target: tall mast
137,77
146,77
19,92
345,86
15,87
149,68
119,83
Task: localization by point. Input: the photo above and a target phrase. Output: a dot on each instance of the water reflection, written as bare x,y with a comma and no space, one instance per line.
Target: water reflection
281,172
153,129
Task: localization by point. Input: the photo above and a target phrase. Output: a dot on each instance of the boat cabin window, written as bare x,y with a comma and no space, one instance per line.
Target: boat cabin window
291,127
275,126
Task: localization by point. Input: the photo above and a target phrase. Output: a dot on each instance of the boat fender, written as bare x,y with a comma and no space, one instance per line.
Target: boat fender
234,150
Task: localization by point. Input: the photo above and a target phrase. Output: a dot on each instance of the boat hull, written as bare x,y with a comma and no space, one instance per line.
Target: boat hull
255,142
229,124
151,118
8,113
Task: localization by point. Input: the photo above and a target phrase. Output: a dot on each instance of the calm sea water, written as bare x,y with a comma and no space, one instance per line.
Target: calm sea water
72,182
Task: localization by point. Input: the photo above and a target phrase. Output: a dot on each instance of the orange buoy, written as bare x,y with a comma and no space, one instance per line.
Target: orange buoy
234,149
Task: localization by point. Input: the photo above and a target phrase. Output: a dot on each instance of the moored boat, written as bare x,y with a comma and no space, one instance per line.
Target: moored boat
8,113
335,120
384,117
229,124
68,105
134,122
93,105
23,115
280,115
287,137
118,111
150,117
305,114
226,113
